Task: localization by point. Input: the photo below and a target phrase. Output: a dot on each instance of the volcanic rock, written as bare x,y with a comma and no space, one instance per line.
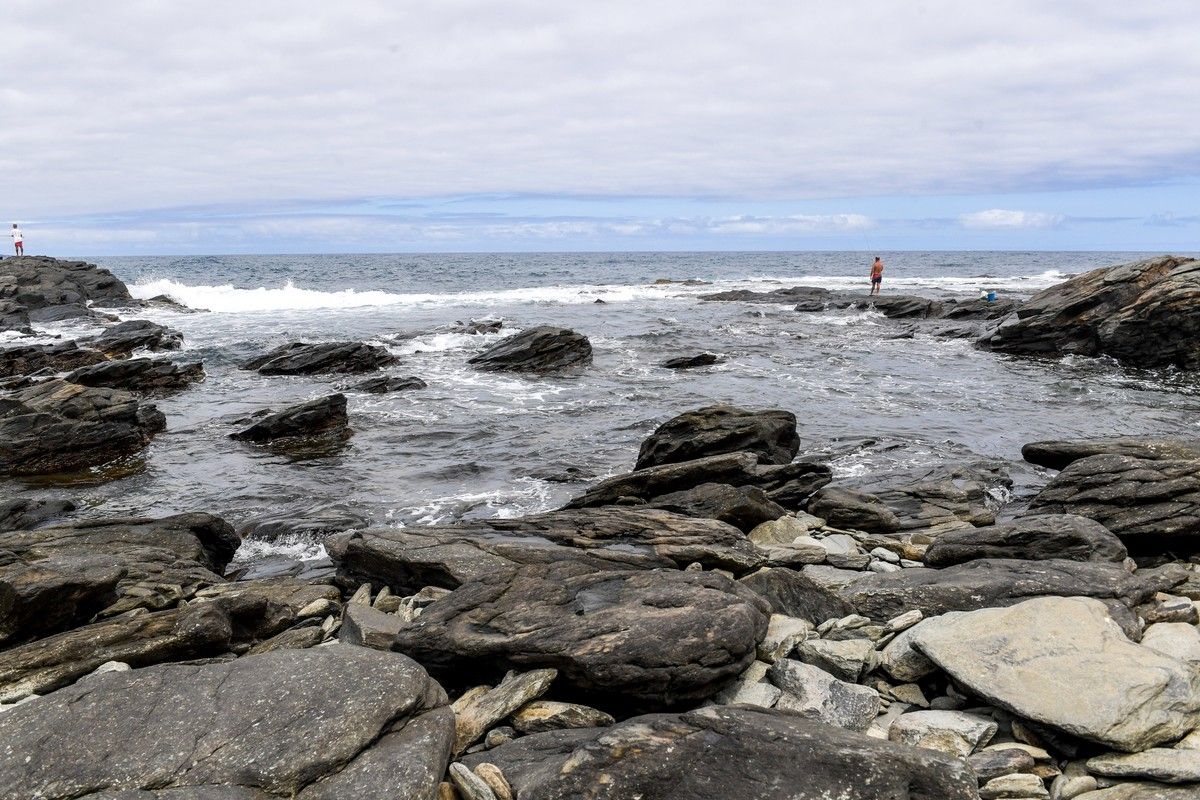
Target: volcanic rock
139,375
322,419
1034,538
299,358
716,430
541,349
137,334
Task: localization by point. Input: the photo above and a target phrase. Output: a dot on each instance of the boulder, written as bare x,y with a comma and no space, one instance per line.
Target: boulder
945,496
385,384
848,508
57,357
1152,505
1145,314
1033,538
691,362
139,375
478,710
324,722
321,420
992,582
744,507
408,559
365,626
725,752
57,426
343,358
815,694
540,716
39,282
646,638
954,732
795,594
1179,640
541,349
22,514
137,334
716,430
1058,454
69,311
1169,765
1064,663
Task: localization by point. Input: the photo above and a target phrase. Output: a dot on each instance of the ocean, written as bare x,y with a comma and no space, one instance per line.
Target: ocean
480,444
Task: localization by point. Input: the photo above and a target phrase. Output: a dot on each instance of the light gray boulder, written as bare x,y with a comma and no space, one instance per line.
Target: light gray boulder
815,694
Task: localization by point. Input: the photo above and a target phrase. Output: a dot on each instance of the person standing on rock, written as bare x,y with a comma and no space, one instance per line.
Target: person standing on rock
876,276
18,240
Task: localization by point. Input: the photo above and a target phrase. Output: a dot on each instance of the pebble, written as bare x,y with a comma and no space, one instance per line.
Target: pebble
883,554
904,621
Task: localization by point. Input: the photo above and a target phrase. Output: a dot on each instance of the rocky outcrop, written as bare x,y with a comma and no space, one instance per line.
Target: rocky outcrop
343,358
691,362
649,639
795,594
1033,538
1152,505
725,752
541,349
136,334
1146,314
24,513
992,582
326,722
34,282
1062,662
1058,454
57,357
56,426
316,422
385,384
139,375
407,559
716,430
744,507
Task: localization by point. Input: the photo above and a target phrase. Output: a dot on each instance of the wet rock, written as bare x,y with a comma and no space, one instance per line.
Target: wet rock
57,357
23,514
322,419
540,716
744,507
342,358
70,311
1062,662
373,725
1033,538
691,362
56,426
953,732
137,334
40,282
407,559
541,349
1153,506
717,430
1058,454
725,752
667,636
475,713
1145,314
314,523
992,582
139,375
386,384
814,694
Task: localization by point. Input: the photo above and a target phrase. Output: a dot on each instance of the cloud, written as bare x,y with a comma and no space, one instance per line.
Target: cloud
1000,219
152,105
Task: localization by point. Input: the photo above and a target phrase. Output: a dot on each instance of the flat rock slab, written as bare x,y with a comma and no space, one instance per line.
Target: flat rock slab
326,722
1152,505
744,507
24,513
541,349
646,638
992,582
727,752
139,375
137,334
716,430
408,559
301,425
58,357
1057,454
1034,538
1063,662
342,358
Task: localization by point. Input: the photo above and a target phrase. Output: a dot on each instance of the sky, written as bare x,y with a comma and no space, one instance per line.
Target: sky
459,125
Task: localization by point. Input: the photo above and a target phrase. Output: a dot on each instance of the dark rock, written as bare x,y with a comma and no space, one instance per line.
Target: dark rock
989,764
168,302
744,507
389,383
23,514
365,626
541,349
56,426
325,722
646,638
39,282
795,594
848,508
56,577
14,317
324,418
791,485
1034,538
979,309
806,294
139,375
1153,506
725,752
408,559
1058,454
988,583
691,362
313,524
137,334
715,430
1145,313
344,358
72,311
58,357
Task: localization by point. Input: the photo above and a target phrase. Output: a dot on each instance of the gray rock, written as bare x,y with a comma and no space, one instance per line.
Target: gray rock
369,627
902,661
1168,765
815,694
56,357
475,713
1179,640
341,358
1019,786
1063,662
725,752
541,349
136,334
326,722
720,429
315,523
1034,538
1141,791
744,507
846,659
1058,454
469,785
667,636
849,508
989,764
385,384
954,732
691,362
139,375
323,420
25,513
540,716
795,594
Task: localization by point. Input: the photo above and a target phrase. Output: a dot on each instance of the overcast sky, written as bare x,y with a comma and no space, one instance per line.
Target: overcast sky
300,126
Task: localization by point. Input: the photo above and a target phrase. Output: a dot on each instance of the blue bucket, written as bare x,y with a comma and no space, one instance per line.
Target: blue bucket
991,297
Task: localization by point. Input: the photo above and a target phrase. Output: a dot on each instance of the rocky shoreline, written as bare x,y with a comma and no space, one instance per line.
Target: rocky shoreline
727,619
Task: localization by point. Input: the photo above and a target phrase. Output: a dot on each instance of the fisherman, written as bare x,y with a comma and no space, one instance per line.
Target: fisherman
18,240
876,276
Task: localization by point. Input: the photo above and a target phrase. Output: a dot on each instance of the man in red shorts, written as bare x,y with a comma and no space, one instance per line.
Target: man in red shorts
18,240
876,276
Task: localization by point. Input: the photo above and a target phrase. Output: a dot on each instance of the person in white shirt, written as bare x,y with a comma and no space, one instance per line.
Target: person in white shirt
18,240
